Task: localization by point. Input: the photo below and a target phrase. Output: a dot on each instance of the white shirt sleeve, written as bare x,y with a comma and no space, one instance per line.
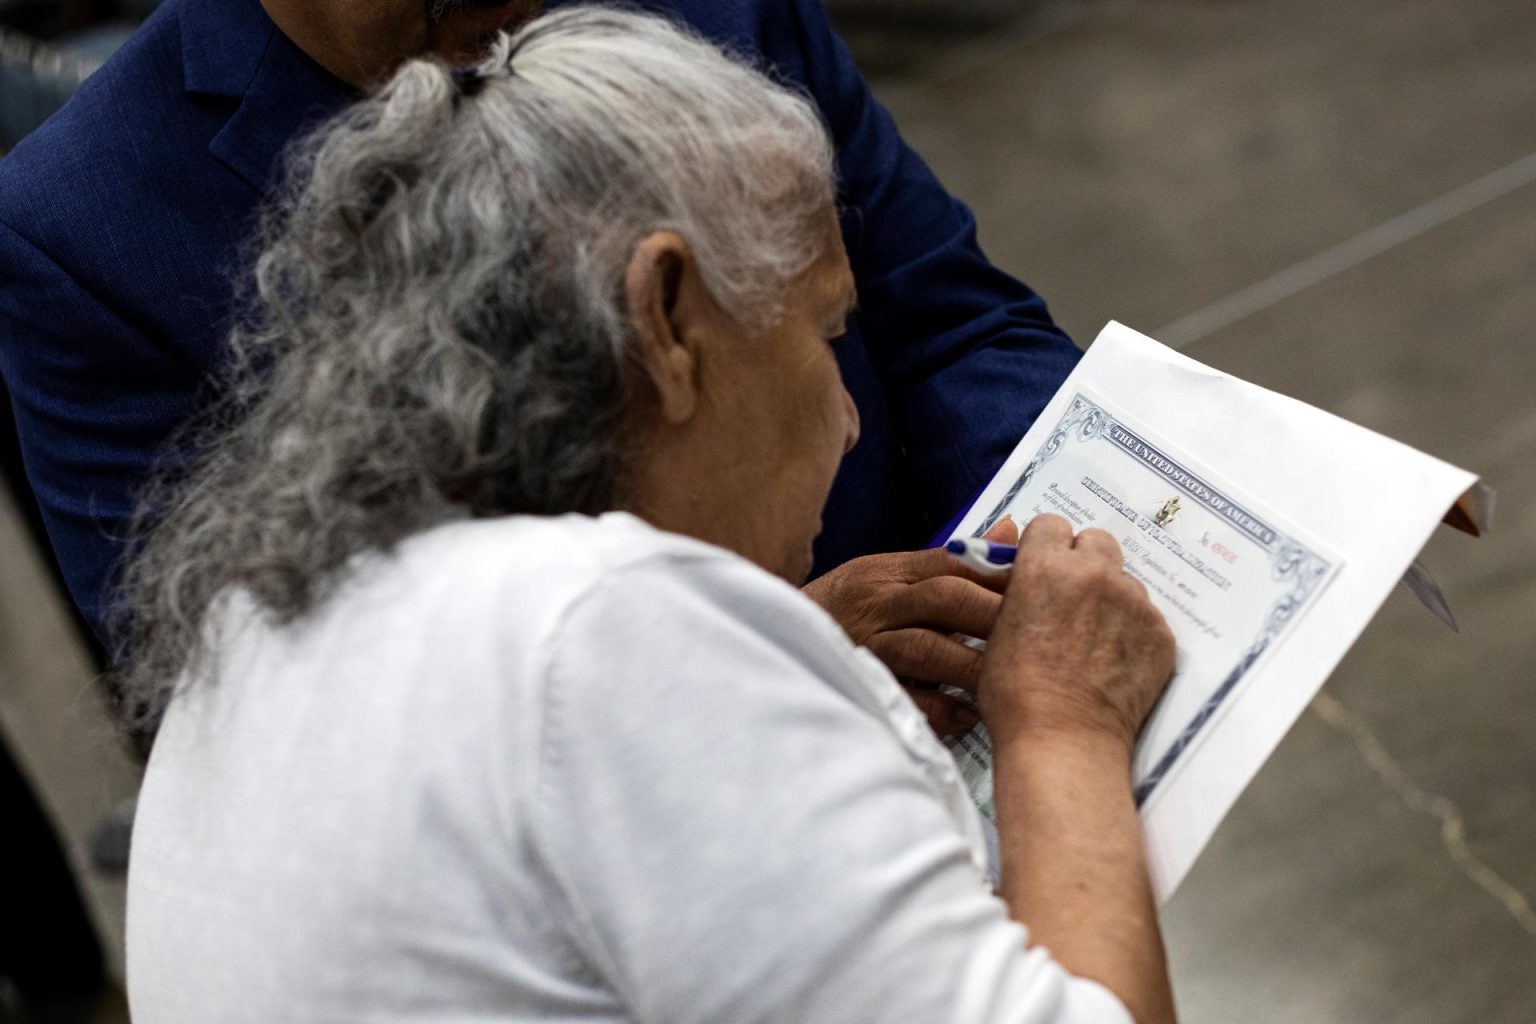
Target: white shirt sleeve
735,839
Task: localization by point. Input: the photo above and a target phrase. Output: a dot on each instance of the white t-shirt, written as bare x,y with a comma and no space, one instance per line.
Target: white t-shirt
566,769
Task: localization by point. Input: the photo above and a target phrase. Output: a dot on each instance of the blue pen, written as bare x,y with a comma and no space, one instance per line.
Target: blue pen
983,555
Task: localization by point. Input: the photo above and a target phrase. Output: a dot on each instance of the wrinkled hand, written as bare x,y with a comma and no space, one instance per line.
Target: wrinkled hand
910,609
1077,645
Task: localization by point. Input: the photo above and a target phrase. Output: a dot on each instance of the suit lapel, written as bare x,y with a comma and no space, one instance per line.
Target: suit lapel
231,49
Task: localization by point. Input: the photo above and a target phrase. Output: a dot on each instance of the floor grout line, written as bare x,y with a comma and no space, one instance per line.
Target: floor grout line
1352,252
1453,832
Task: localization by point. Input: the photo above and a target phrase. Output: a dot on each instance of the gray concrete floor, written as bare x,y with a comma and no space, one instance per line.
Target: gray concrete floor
1143,161
1146,161
52,717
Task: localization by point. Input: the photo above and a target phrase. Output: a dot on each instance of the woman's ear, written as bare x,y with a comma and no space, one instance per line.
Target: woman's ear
659,287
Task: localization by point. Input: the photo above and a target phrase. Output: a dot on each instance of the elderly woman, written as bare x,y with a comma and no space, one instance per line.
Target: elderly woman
491,700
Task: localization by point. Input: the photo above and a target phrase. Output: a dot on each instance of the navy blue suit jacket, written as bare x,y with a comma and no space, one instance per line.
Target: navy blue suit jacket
121,222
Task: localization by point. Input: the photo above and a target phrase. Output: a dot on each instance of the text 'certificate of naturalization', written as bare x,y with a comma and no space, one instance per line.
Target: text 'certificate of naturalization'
1231,578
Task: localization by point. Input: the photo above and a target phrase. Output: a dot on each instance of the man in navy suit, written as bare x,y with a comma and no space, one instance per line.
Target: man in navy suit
121,222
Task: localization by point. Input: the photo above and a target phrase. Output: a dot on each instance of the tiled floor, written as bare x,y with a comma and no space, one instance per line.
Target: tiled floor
1143,161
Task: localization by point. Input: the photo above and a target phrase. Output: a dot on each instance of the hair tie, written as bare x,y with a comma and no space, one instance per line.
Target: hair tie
468,81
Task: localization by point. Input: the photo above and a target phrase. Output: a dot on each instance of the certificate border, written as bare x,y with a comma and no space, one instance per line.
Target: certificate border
1291,559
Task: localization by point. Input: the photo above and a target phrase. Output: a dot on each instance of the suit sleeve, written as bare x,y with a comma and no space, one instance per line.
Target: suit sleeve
967,354
737,840
92,398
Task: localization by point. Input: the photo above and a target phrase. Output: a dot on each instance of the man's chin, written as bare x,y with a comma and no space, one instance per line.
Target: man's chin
438,10
463,30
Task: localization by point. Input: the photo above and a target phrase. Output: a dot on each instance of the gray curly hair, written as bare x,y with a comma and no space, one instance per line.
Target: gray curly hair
436,322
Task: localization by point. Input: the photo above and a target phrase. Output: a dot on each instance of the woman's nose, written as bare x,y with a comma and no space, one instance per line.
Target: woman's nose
852,412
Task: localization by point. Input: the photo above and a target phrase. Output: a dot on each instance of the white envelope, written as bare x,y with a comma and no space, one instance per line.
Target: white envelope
1371,500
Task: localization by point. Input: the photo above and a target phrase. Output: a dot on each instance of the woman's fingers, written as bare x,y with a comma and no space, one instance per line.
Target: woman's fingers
947,715
1004,531
1046,533
1100,544
928,656
948,604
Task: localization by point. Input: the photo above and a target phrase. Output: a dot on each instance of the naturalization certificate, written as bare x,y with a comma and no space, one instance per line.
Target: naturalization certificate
1231,578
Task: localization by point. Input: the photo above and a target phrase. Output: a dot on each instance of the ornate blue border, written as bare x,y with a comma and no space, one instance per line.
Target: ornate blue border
1290,560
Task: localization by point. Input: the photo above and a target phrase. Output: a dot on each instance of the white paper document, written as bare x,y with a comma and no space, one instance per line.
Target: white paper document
1267,532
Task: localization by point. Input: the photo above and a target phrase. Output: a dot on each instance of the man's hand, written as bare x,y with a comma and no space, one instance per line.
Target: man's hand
910,608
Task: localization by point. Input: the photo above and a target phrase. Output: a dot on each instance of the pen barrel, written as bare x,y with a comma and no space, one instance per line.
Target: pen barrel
1001,554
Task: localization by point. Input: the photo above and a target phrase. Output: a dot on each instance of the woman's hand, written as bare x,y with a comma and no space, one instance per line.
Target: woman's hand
911,608
1077,658
1076,646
